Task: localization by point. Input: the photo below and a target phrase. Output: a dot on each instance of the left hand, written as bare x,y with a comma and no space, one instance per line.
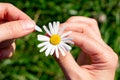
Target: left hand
13,24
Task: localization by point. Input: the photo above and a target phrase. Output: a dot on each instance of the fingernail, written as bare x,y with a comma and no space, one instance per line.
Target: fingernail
28,24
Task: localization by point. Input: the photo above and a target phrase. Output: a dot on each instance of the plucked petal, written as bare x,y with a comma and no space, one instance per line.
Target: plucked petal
37,28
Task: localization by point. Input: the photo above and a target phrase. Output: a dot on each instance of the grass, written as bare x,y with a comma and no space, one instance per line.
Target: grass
28,64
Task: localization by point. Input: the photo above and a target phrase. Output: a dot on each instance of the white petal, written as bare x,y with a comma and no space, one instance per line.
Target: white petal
67,40
43,38
47,31
54,24
56,52
52,50
51,28
55,27
66,46
62,51
47,52
37,28
66,34
62,46
42,44
44,48
61,30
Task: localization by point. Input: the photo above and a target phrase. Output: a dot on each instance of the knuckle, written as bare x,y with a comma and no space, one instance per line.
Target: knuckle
86,28
8,4
71,18
94,21
115,59
5,4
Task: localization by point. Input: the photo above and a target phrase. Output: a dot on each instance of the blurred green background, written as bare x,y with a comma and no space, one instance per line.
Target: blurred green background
28,64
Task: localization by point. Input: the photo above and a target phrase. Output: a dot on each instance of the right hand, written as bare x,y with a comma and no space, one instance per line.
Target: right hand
97,61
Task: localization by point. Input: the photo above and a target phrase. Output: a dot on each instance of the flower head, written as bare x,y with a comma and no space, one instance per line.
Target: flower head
56,41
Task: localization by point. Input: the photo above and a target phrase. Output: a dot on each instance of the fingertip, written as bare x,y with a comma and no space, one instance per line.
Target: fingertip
28,24
65,61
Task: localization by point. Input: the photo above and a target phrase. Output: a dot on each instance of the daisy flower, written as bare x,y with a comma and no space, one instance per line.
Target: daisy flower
56,41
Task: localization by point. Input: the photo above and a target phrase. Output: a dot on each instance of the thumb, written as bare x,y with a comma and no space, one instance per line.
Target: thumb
16,29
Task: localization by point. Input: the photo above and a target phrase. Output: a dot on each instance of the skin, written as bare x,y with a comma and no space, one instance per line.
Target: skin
97,61
13,24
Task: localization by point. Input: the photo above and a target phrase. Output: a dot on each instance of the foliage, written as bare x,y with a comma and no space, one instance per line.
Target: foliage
28,64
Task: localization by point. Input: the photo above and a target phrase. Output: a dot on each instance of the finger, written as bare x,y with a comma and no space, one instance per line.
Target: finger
97,52
74,26
6,43
91,22
82,28
16,29
86,30
7,52
69,66
9,12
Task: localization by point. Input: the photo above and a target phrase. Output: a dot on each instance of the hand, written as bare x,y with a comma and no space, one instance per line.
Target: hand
97,61
13,24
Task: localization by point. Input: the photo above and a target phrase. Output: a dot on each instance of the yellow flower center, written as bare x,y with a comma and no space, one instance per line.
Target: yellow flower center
55,39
